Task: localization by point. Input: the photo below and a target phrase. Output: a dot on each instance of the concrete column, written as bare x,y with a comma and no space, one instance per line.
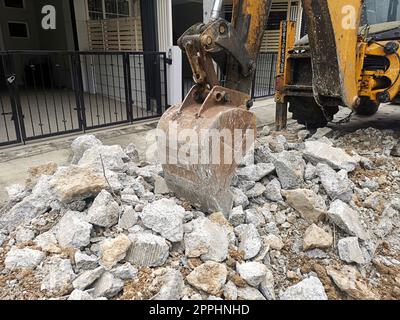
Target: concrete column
175,76
164,25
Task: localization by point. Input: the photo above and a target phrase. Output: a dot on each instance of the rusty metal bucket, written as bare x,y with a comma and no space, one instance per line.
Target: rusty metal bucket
196,167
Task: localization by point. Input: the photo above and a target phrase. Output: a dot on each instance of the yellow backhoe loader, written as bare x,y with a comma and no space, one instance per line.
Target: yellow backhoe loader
346,60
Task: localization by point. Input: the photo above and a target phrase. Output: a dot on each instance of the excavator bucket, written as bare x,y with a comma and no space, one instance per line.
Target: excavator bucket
201,144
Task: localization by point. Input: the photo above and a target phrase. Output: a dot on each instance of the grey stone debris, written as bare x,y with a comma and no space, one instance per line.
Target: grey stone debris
81,145
3,238
336,185
347,219
164,217
255,217
111,157
85,262
308,289
47,242
239,198
255,172
267,286
129,218
16,192
104,211
79,295
230,291
237,216
58,275
107,286
125,271
73,231
24,235
250,240
207,240
252,272
321,133
350,251
160,185
273,191
131,151
23,258
396,150
249,293
319,152
256,191
311,172
87,278
147,250
171,285
290,168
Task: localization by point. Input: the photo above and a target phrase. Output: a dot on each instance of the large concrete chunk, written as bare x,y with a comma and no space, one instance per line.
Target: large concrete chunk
350,251
207,240
58,275
319,152
311,206
107,157
87,278
80,145
317,238
23,258
308,289
252,272
255,172
147,250
113,251
250,240
104,211
166,218
290,168
171,285
347,219
107,286
336,185
209,277
73,231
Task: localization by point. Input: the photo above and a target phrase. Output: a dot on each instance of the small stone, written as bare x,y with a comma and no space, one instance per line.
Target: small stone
16,192
250,240
147,250
107,286
256,191
166,218
316,237
336,185
87,278
79,295
267,286
311,172
104,211
58,275
311,206
47,242
207,240
125,272
113,251
210,277
249,294
160,186
237,216
129,218
255,172
23,258
81,145
273,191
132,152
308,289
171,286
347,219
290,168
255,217
252,272
73,231
396,151
24,235
274,242
239,198
350,251
318,152
84,261
230,291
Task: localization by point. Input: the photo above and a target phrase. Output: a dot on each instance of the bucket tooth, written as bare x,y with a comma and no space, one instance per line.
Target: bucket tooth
200,170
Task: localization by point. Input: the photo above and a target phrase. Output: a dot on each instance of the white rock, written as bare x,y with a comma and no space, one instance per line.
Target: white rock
230,291
255,217
337,185
132,152
255,172
85,262
164,217
107,286
147,250
319,152
87,278
16,192
112,157
290,168
160,185
207,240
273,191
73,231
250,294
239,198
347,219
308,289
81,144
79,295
104,211
114,250
256,191
48,242
24,235
210,277
250,240
316,238
274,242
267,286
171,285
252,272
125,272
23,258
58,275
237,216
350,251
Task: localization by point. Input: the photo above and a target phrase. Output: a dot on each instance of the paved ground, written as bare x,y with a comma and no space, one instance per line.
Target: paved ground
15,161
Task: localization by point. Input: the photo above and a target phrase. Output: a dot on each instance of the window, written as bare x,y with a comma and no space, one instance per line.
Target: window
18,30
14,4
109,9
275,18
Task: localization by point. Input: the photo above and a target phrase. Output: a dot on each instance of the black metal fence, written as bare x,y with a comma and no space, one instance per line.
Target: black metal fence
44,94
263,81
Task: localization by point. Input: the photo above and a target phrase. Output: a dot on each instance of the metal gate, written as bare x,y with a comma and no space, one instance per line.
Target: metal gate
51,93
